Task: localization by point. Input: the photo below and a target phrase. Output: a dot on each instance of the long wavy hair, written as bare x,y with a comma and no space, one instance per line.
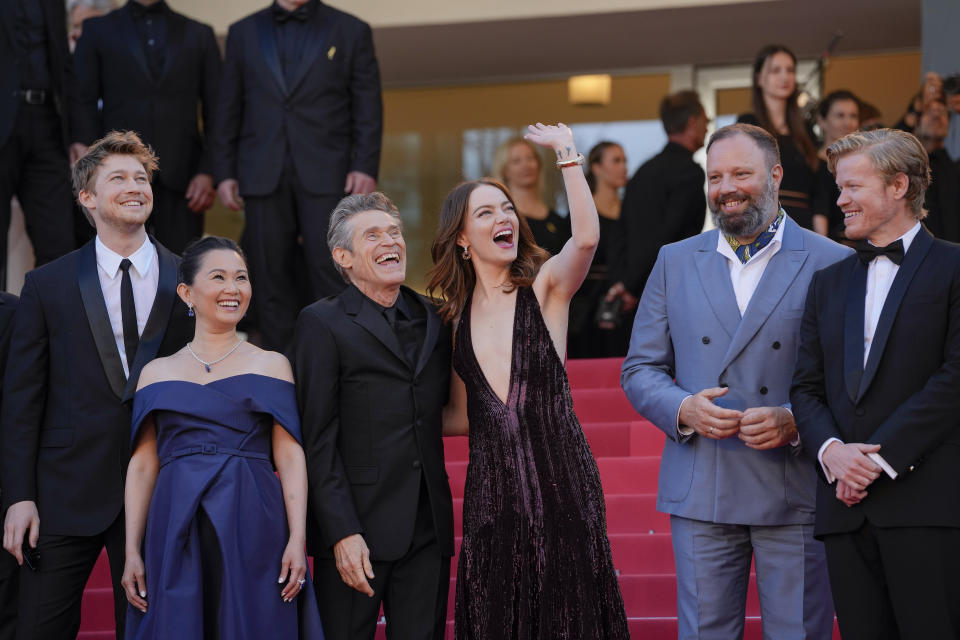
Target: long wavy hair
794,117
452,279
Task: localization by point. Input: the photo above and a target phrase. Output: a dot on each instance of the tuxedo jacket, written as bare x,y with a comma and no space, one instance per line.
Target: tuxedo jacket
906,398
112,66
663,203
8,305
371,425
689,335
62,79
66,410
330,117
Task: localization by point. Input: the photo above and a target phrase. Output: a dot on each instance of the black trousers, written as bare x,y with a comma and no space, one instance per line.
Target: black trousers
50,598
172,222
9,586
34,167
899,583
413,590
286,242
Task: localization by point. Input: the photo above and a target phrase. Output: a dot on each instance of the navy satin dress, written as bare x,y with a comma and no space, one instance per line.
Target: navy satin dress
217,525
535,562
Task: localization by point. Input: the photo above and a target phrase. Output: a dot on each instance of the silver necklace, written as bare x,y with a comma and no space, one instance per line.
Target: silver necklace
206,364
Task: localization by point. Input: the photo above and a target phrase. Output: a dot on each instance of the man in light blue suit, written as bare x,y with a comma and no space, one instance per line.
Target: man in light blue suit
710,363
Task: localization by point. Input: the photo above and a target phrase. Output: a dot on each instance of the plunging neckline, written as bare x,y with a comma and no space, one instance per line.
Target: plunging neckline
513,333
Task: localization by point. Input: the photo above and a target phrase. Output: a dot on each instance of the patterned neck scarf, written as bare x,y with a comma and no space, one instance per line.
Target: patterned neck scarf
747,251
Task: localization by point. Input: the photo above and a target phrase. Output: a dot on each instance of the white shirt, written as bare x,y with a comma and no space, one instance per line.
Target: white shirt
880,274
744,278
144,276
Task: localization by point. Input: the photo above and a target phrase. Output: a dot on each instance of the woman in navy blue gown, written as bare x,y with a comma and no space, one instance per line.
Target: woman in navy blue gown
222,536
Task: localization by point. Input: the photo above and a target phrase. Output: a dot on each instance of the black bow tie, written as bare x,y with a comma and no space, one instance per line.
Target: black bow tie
138,10
893,251
281,15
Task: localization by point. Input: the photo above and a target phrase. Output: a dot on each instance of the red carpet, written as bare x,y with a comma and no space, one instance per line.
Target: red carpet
627,449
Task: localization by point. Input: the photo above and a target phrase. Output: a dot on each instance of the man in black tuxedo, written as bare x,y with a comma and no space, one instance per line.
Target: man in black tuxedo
373,374
9,570
154,70
37,91
664,201
86,325
876,401
299,125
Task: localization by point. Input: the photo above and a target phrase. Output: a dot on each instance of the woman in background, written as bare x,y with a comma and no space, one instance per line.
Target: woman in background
518,165
596,327
775,109
837,115
535,561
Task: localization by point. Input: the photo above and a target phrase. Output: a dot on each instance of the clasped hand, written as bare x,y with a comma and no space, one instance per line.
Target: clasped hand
852,468
758,427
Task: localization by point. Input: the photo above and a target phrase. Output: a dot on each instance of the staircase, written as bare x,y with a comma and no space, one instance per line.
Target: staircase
627,449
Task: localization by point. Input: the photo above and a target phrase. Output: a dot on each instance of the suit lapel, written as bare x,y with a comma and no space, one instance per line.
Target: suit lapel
156,327
715,279
430,339
369,317
96,309
853,328
779,273
176,26
128,33
268,46
911,263
315,39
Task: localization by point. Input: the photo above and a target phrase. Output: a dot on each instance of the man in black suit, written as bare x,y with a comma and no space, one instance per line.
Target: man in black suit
875,397
9,570
943,197
373,374
153,70
664,201
86,325
299,125
37,90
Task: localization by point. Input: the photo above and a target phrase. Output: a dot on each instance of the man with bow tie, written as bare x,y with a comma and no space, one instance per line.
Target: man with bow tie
149,69
876,399
711,357
299,126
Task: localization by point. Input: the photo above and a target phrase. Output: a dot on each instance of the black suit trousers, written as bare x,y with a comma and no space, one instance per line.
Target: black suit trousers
50,598
34,167
9,584
172,222
404,587
286,230
896,583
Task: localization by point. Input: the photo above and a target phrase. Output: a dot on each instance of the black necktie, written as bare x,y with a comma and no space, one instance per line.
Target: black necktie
281,15
128,312
867,252
401,328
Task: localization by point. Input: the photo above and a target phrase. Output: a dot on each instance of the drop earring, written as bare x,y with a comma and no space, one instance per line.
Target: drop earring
466,253
190,312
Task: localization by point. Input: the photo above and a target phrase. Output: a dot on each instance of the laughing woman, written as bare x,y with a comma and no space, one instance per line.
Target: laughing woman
223,537
535,562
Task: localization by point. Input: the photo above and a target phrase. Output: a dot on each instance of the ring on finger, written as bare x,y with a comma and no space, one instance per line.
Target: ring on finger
711,429
301,582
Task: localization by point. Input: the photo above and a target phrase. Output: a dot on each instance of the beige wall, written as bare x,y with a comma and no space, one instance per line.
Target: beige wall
432,109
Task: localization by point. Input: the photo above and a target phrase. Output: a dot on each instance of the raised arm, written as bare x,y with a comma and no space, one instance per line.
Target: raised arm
562,275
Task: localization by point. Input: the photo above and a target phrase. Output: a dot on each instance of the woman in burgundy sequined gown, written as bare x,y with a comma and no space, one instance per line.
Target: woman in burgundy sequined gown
535,562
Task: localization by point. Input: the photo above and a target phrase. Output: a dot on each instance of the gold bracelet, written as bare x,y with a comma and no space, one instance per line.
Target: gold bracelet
573,162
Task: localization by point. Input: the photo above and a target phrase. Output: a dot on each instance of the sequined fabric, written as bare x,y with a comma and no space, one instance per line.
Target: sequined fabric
535,562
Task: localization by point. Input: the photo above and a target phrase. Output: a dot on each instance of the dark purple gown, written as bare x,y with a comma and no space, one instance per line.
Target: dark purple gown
217,524
535,562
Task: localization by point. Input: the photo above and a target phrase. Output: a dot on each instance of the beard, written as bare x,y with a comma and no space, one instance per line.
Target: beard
755,217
